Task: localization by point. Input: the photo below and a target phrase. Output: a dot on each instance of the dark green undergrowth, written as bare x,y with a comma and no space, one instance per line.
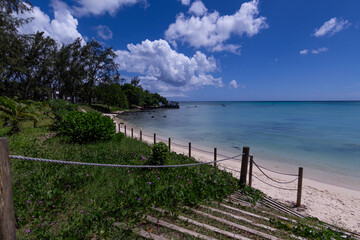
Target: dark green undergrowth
57,201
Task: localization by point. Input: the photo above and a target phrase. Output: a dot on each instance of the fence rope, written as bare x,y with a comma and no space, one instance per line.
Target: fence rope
114,165
288,174
288,189
279,182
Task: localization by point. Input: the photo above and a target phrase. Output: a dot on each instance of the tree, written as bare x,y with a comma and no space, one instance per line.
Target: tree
112,95
10,6
100,68
15,112
38,67
70,69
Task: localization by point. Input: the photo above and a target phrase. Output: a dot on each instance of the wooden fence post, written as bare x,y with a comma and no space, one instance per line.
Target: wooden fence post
299,190
140,135
125,130
189,149
7,216
244,165
251,170
132,133
119,127
215,156
154,138
169,144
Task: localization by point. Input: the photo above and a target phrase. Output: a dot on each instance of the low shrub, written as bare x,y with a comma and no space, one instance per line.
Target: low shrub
60,108
86,127
119,137
160,154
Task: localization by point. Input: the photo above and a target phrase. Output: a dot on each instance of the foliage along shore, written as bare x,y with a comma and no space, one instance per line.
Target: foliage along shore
56,201
36,67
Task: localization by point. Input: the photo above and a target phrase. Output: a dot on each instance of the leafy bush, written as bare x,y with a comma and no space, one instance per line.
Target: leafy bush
119,137
86,127
60,108
160,153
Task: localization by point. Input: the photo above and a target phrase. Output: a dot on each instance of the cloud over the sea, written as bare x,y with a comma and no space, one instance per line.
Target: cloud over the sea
164,70
331,27
210,30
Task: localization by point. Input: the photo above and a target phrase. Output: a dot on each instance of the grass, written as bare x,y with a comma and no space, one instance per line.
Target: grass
56,201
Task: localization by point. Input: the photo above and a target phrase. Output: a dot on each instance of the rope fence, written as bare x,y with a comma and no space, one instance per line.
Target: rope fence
244,164
288,189
279,182
116,165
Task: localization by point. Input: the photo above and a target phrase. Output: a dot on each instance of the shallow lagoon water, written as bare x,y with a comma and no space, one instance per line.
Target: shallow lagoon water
323,137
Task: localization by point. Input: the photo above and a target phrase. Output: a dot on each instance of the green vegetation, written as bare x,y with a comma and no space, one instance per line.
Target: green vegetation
57,201
16,112
86,127
35,67
160,154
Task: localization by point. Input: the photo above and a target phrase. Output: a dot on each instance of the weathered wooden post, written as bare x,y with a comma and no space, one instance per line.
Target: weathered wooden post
125,130
251,170
189,149
215,156
244,165
132,133
119,127
169,144
299,190
140,135
7,215
154,138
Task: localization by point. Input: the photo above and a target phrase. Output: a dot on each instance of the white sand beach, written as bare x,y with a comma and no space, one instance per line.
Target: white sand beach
335,205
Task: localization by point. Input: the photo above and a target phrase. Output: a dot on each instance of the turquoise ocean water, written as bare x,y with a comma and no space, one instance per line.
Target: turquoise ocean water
323,137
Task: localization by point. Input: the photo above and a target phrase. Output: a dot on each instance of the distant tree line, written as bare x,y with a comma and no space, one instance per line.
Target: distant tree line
36,67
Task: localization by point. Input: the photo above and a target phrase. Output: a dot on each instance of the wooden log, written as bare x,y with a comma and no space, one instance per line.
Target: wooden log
299,190
244,165
7,215
215,156
251,170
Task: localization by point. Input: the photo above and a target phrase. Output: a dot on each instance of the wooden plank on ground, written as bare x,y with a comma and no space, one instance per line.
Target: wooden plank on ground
244,212
246,229
177,228
240,218
214,229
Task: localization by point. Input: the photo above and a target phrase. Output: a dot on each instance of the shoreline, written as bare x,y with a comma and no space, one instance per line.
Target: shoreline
330,203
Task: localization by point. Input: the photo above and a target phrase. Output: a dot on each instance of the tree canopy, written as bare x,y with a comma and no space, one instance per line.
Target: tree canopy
36,67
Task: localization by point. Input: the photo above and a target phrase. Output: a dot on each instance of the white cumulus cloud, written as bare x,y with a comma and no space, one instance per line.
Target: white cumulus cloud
197,8
319,50
212,30
99,7
63,28
304,52
313,51
233,84
185,2
166,71
331,27
104,32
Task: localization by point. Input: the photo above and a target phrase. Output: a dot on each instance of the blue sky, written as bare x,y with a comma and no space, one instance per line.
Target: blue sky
220,50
